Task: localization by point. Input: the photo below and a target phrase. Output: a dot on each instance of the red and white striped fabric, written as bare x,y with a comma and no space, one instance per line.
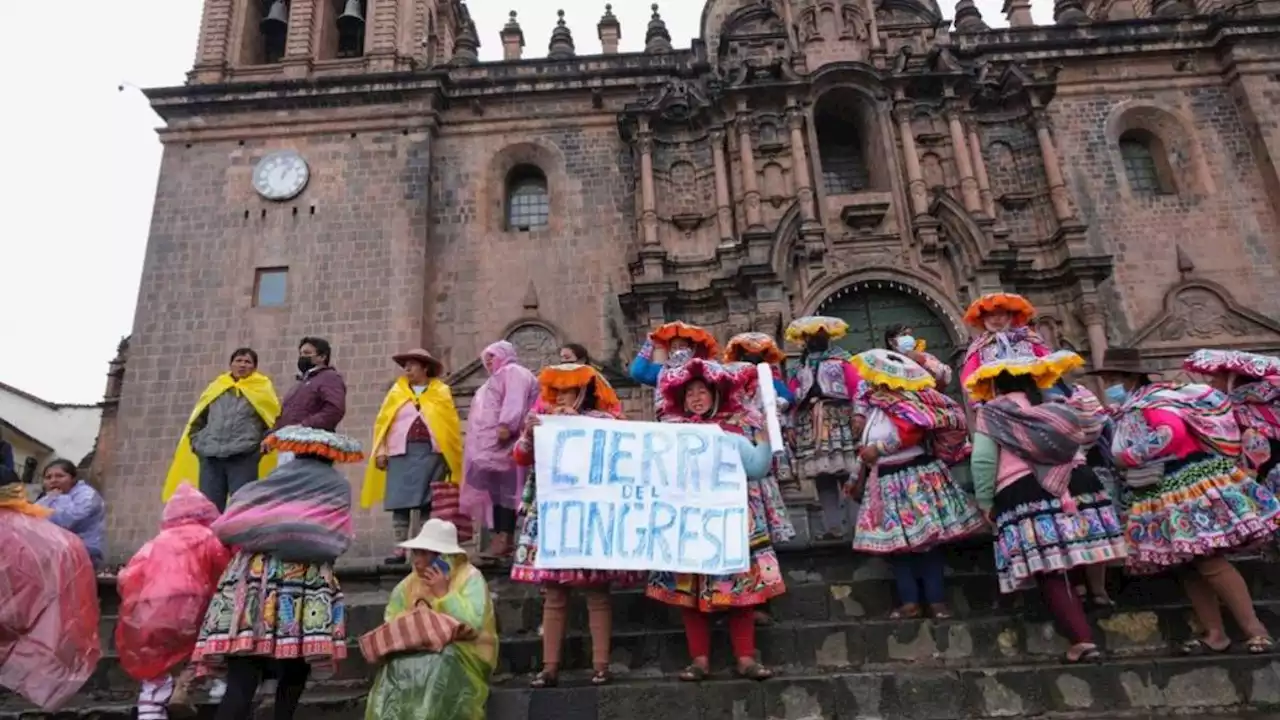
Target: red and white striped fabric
419,630
446,505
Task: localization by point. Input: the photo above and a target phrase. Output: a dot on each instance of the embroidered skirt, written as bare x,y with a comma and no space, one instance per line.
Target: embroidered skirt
761,581
1034,535
524,569
825,443
775,508
272,609
1205,505
914,506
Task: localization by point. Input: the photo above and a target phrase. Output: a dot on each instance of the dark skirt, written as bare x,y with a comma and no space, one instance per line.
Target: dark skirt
409,476
1034,535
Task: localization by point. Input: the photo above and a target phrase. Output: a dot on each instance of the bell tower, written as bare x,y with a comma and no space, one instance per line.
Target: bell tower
256,40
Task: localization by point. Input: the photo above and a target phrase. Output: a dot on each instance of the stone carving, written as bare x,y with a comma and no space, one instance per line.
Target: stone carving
535,345
1199,314
809,26
855,22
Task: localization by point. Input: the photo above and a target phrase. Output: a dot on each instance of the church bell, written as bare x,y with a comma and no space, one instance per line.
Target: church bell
352,15
277,18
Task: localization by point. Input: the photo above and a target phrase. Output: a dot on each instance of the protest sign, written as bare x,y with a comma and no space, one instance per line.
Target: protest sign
618,495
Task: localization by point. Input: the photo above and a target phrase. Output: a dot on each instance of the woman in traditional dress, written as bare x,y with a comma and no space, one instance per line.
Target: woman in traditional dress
1253,384
702,391
1001,324
826,426
902,340
566,389
1050,511
278,610
671,345
494,421
1199,504
453,683
417,441
910,505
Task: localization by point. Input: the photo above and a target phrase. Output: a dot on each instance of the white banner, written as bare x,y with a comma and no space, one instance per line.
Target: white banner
620,495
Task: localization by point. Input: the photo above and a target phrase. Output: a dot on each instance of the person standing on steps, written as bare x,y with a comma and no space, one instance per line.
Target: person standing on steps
826,427
417,442
492,478
1252,382
670,346
1197,504
319,399
566,389
220,450
705,392
1049,509
910,507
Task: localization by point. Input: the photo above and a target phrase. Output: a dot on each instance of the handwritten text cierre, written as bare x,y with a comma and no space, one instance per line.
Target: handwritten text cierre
617,495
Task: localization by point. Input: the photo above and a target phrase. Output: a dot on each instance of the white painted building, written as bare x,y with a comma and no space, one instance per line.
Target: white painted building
41,431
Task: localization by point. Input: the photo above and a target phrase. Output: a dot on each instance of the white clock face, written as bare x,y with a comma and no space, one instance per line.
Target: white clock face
281,175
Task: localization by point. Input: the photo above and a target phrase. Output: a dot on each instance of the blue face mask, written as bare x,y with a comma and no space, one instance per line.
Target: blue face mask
1116,394
905,344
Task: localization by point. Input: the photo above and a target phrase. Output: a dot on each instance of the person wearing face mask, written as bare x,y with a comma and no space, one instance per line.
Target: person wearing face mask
417,441
1001,323
902,340
319,399
220,450
671,345
827,427
566,389
705,392
1179,447
1253,383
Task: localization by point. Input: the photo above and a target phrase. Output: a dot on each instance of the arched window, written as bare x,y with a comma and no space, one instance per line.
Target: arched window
1146,166
528,203
840,147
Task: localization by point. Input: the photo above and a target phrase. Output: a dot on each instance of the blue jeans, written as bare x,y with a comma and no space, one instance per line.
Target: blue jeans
913,571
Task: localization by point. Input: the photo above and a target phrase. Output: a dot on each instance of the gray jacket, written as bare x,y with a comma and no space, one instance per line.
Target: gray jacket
228,427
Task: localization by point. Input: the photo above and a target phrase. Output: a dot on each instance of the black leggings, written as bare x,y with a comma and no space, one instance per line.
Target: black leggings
244,674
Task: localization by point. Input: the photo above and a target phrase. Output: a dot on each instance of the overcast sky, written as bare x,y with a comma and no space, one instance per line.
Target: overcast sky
81,159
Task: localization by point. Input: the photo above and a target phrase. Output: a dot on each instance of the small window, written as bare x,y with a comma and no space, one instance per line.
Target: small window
844,170
528,204
1145,166
270,287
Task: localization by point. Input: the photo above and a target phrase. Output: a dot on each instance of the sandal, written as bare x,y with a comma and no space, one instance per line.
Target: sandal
694,673
1101,602
1090,654
601,677
940,611
754,671
545,679
906,612
1260,644
1197,646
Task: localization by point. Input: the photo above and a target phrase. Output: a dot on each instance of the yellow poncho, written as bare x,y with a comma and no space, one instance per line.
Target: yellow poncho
260,393
441,417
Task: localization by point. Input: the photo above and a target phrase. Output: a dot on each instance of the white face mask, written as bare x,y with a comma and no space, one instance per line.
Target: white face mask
905,343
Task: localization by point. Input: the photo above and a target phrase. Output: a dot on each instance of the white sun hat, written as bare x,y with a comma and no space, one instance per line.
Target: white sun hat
440,536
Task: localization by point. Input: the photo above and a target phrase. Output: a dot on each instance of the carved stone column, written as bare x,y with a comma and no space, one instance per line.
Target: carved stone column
750,184
873,27
800,163
980,169
964,166
299,49
915,177
1052,168
1095,323
648,201
724,212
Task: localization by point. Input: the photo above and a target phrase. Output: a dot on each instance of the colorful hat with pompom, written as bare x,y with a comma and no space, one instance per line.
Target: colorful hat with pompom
753,343
572,376
1019,308
805,327
1046,371
301,440
704,342
889,369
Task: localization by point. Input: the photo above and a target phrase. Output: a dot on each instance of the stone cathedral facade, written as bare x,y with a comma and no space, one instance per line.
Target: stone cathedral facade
349,169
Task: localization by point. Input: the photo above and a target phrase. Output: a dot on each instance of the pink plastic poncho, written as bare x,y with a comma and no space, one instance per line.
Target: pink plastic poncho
49,615
491,476
166,587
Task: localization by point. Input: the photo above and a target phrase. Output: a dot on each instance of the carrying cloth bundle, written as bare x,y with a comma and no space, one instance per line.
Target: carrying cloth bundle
301,512
419,630
1046,436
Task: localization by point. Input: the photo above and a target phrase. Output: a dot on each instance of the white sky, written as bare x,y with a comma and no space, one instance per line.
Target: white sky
81,159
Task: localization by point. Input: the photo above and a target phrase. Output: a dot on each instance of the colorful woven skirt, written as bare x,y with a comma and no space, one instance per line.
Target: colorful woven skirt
524,569
272,609
761,581
1034,535
825,443
914,506
1205,505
